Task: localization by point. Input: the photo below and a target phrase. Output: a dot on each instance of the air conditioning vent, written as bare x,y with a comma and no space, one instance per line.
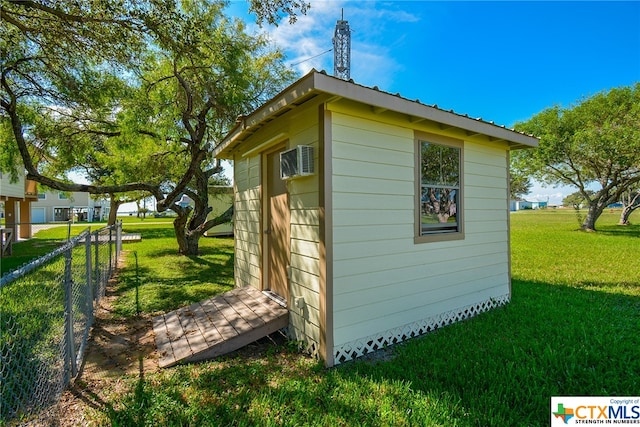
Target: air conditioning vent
296,162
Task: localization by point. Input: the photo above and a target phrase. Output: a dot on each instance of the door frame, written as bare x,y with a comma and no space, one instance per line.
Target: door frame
266,245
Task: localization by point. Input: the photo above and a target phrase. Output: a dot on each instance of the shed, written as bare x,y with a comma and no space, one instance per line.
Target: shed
392,219
220,200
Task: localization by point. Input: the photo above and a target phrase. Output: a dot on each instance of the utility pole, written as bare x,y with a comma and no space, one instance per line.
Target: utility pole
342,49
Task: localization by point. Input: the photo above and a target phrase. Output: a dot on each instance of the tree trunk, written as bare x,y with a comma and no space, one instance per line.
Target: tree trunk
626,213
630,202
113,210
188,240
594,212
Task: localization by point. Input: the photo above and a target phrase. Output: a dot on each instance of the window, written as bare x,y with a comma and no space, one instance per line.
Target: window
63,196
439,189
42,196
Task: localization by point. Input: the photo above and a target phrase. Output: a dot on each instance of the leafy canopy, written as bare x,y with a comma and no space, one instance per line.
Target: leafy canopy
593,143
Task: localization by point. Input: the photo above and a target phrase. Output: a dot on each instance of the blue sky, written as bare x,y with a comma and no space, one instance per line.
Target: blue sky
503,61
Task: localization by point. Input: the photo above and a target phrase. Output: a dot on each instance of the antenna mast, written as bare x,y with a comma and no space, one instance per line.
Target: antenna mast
342,50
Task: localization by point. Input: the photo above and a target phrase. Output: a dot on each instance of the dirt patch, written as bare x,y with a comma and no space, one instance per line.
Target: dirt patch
116,347
119,348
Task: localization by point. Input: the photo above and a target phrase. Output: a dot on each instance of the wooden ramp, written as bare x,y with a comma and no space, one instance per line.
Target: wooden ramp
217,326
131,237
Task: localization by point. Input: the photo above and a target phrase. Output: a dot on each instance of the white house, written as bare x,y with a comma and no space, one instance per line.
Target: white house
518,205
55,206
375,218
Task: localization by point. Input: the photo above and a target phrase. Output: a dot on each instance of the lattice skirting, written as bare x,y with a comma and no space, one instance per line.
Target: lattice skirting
377,341
306,344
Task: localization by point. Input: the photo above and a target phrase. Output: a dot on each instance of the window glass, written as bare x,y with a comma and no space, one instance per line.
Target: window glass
440,188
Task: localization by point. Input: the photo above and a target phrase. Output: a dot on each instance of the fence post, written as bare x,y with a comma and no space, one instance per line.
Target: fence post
110,251
89,271
118,238
68,290
89,298
97,265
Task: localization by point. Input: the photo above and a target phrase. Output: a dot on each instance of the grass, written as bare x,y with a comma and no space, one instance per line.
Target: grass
43,242
168,280
46,240
571,329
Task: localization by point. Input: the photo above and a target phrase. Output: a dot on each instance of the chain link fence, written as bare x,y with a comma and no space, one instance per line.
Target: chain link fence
46,312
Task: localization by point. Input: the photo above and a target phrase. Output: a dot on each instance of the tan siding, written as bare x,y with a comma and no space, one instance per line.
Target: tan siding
382,279
365,169
382,185
373,201
304,194
379,217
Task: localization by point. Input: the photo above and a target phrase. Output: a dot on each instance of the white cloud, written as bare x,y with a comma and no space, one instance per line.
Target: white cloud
543,193
373,34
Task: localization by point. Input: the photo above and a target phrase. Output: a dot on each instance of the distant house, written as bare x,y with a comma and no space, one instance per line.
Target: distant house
53,206
374,218
517,205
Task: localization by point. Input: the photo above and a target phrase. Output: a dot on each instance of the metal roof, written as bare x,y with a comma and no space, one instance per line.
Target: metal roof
317,83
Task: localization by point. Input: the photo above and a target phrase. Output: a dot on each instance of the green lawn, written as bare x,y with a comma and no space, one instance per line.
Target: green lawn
46,240
167,280
572,328
43,242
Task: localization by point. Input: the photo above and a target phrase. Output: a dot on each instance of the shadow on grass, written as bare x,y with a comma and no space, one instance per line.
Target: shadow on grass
499,368
620,230
200,277
151,232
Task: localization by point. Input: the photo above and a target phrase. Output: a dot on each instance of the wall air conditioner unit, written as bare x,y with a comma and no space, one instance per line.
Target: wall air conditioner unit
296,162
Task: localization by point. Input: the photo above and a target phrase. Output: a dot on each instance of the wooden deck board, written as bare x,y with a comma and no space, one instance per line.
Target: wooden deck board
192,332
216,326
233,318
245,311
225,330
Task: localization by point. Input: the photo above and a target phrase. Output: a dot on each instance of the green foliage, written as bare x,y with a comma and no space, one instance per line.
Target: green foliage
574,200
272,11
577,201
570,329
519,183
595,142
133,95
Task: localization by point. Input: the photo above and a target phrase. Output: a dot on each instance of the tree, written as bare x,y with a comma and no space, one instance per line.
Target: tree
630,202
519,183
134,94
595,142
576,200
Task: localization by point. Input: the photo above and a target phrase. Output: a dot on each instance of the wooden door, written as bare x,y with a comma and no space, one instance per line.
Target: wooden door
278,228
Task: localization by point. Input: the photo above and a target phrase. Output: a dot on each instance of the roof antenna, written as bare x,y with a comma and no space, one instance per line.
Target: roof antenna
342,49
